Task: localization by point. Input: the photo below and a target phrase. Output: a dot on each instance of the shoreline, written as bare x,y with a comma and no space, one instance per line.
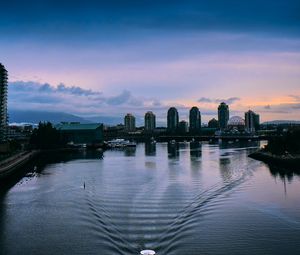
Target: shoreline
10,165
267,157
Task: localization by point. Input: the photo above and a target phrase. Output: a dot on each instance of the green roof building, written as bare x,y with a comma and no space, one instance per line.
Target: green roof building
81,133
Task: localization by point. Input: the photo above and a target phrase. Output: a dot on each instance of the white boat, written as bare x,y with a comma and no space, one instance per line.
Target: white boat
120,143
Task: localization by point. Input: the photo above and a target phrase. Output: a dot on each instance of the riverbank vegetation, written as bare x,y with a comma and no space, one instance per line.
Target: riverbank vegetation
289,143
281,150
46,137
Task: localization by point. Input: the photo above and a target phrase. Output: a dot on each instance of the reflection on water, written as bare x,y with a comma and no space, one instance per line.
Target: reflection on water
195,150
173,150
181,198
284,173
129,151
150,149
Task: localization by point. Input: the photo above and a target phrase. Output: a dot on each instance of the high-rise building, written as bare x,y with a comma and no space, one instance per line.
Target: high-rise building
251,121
223,115
183,127
150,121
3,103
213,123
173,120
129,122
195,120
256,122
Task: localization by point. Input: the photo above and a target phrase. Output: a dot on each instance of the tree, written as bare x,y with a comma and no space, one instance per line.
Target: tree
288,143
46,137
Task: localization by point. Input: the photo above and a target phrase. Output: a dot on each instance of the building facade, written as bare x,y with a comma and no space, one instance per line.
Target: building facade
195,120
78,133
213,123
223,115
251,121
183,127
173,119
3,104
129,122
150,122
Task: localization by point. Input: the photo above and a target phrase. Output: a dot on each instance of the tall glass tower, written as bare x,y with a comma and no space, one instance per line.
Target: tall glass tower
173,119
149,121
129,122
251,121
3,104
223,115
195,120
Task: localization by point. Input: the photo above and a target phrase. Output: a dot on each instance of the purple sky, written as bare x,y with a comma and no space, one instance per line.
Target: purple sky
110,58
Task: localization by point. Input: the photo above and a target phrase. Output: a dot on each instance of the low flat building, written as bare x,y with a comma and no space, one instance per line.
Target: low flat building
78,133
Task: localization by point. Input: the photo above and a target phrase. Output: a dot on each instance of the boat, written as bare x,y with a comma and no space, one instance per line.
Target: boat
120,143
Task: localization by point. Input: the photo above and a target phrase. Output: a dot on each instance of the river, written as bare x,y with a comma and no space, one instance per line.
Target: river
196,198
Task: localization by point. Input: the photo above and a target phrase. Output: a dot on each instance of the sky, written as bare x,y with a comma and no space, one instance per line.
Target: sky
107,58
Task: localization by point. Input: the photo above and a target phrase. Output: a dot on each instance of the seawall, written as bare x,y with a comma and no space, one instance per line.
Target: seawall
11,165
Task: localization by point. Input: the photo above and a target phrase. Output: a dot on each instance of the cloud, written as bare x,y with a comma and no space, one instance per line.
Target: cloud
124,98
295,97
73,99
230,100
27,86
205,100
286,108
296,106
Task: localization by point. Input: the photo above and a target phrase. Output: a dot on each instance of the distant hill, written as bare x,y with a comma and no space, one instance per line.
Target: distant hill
17,116
108,120
112,120
281,122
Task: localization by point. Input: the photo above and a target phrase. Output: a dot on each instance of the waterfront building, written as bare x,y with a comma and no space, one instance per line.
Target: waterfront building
129,122
195,120
213,123
150,121
223,115
251,121
3,104
183,127
173,119
78,133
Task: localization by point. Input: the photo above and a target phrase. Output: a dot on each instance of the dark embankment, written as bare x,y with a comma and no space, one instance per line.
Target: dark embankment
284,160
282,150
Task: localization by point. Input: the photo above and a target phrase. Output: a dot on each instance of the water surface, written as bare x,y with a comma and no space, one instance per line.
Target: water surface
176,199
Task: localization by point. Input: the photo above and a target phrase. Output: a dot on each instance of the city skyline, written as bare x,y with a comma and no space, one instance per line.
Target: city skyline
112,58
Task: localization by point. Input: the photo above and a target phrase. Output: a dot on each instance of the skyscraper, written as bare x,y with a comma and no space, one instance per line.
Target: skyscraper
150,121
129,122
3,103
195,120
173,119
251,121
223,115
